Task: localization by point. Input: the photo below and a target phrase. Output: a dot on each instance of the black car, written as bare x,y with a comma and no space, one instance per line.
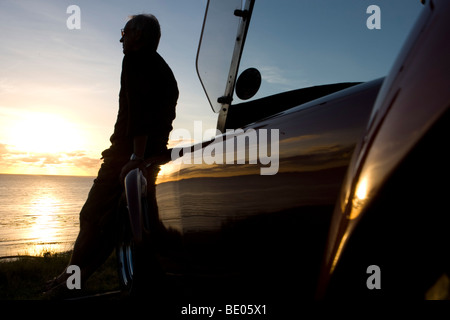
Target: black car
330,191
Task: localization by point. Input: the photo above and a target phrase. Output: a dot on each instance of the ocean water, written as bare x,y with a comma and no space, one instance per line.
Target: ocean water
40,213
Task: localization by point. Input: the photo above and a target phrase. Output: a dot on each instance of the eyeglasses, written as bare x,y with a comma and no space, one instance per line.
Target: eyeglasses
122,32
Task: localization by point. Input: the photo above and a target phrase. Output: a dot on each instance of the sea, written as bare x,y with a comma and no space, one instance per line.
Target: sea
40,213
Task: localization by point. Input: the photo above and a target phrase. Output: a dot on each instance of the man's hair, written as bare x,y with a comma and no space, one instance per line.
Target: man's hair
149,26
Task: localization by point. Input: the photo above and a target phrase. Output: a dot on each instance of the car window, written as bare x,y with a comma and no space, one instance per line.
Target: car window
216,48
297,44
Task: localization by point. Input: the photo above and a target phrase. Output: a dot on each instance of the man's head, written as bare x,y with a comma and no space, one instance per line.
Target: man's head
141,31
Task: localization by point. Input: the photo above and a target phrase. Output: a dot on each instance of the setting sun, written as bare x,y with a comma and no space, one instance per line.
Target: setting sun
46,133
46,143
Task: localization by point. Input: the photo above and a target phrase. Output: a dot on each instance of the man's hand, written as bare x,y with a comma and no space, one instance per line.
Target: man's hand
130,165
139,144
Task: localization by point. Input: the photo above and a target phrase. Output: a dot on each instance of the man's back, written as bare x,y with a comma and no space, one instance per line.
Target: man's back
147,100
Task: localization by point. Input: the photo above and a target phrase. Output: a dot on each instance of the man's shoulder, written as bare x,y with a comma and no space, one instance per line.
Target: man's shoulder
158,59
144,59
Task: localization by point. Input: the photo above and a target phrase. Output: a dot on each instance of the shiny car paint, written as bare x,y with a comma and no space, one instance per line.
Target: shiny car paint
402,147
343,162
230,221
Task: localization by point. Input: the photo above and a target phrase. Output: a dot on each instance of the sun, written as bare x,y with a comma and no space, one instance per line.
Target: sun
46,133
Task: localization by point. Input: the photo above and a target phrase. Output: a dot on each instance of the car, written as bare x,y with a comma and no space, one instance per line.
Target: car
391,211
330,191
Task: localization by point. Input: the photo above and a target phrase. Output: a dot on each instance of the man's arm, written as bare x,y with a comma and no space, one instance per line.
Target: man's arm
139,144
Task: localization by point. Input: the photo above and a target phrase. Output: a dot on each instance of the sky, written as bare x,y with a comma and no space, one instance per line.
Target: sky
59,86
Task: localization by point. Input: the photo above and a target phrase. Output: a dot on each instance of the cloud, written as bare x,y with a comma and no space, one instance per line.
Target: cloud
76,154
29,159
86,162
3,149
66,163
52,159
274,75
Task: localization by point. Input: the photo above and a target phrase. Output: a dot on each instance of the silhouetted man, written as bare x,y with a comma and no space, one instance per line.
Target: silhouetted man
147,101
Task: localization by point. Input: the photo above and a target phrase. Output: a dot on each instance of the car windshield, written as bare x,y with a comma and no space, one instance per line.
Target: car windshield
301,43
216,48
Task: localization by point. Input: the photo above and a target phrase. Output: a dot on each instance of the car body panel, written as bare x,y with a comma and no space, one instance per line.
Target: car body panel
340,151
219,209
313,137
413,98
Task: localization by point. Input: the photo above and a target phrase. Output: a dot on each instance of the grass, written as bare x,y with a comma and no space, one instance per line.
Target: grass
24,277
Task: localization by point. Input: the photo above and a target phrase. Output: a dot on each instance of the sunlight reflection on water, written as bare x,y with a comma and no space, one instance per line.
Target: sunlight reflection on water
39,214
